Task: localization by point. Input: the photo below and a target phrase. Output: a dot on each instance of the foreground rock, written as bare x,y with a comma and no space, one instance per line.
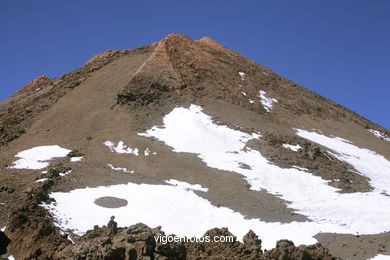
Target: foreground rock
138,242
4,242
33,236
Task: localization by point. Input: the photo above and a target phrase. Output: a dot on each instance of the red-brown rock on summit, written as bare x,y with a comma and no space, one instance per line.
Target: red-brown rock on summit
33,84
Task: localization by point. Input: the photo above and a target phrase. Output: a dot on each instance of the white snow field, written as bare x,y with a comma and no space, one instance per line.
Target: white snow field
182,212
366,162
380,257
38,157
179,210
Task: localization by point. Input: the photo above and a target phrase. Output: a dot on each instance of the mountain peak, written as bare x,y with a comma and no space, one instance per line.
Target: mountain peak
177,39
32,84
176,36
211,42
192,125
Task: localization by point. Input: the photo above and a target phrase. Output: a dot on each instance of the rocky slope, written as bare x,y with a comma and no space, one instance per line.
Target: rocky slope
117,95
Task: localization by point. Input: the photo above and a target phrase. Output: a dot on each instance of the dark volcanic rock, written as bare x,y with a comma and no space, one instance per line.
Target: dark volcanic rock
286,250
4,242
138,243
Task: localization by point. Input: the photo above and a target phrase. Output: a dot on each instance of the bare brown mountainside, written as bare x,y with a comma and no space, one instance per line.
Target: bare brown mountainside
117,94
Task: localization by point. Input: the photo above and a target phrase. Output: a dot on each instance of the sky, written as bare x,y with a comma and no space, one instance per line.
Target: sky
339,49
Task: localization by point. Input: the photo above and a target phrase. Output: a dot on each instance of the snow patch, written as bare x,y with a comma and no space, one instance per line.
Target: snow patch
242,75
380,135
125,170
38,157
65,173
243,93
186,186
11,257
147,152
367,162
42,180
380,257
295,148
252,101
76,159
121,147
3,229
266,101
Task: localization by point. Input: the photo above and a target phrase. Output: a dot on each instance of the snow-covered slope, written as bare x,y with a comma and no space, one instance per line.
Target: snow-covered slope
119,136
190,130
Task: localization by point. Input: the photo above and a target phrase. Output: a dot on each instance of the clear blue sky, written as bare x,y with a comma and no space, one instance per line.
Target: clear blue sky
339,49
